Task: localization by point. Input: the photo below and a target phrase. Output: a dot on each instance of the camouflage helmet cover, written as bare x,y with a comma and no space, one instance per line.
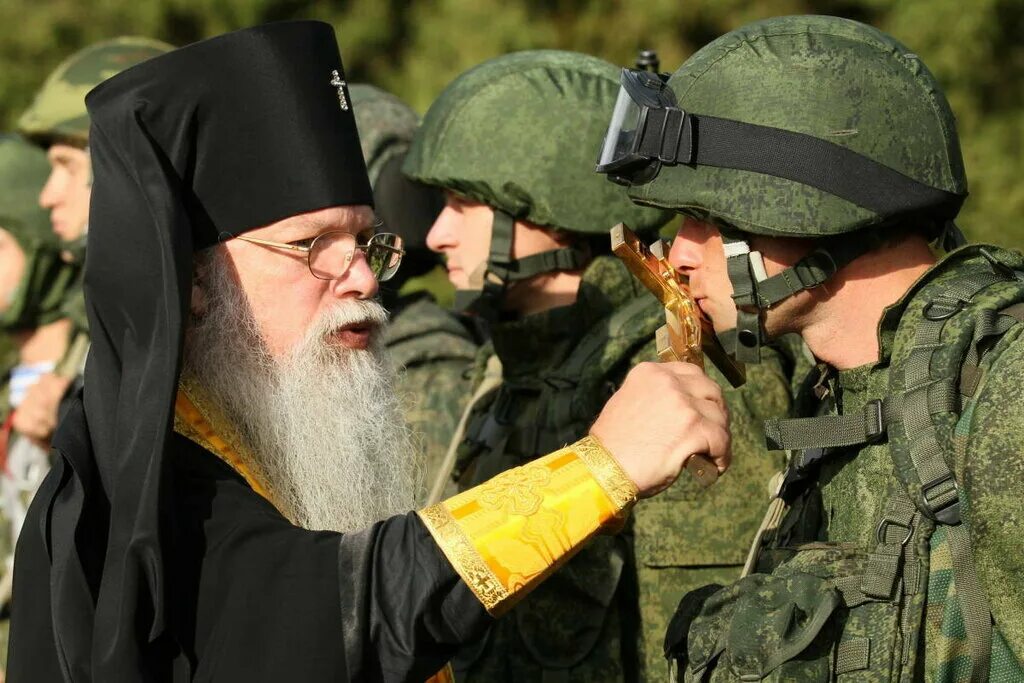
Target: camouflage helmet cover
23,171
386,126
521,133
57,114
831,78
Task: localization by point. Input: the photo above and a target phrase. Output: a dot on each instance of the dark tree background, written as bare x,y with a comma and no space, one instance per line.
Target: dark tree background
415,48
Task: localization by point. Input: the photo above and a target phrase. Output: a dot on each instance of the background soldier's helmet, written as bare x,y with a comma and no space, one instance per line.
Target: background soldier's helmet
520,133
386,128
37,301
57,114
833,79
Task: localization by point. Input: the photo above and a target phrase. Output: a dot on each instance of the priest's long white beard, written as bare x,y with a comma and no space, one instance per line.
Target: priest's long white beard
324,424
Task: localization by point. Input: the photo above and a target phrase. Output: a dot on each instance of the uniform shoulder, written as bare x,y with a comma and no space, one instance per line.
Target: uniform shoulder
423,331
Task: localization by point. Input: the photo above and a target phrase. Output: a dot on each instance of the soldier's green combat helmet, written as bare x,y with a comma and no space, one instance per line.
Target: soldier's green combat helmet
57,114
386,128
804,126
37,299
519,133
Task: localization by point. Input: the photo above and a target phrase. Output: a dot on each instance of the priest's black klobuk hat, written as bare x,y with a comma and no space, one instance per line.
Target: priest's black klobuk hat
188,148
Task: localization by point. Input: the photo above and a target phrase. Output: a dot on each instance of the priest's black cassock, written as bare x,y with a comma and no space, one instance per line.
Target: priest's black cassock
145,557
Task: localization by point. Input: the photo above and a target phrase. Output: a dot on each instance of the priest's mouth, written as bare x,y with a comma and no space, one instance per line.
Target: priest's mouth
355,335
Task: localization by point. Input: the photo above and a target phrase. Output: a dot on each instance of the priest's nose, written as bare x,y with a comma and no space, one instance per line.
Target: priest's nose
357,282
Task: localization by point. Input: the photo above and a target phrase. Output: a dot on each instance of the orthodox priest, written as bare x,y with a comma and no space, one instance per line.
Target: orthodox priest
230,493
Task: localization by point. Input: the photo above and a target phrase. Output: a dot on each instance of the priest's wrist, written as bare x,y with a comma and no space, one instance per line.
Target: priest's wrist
663,414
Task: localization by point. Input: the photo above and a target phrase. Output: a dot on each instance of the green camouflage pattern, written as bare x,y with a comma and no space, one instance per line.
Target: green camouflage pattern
386,126
58,114
521,133
689,536
831,78
831,529
434,354
603,617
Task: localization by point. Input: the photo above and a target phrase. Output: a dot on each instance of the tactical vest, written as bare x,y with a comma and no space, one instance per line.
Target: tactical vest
572,622
531,416
825,611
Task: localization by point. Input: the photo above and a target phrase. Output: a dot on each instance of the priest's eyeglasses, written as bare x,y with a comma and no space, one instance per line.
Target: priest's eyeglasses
329,255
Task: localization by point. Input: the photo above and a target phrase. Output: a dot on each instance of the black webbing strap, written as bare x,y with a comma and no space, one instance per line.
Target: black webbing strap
499,260
554,260
817,267
830,431
488,284
724,143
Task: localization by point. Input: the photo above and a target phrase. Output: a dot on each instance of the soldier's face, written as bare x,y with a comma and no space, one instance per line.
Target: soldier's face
12,267
67,191
699,253
462,233
287,301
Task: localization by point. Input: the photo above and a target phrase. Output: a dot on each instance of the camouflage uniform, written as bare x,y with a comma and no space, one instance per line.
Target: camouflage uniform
892,547
602,617
433,348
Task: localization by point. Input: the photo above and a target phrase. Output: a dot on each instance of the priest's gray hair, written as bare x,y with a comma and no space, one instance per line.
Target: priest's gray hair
323,426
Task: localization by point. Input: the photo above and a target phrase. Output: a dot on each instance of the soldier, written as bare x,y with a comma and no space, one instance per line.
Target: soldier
434,348
525,233
33,282
814,158
58,122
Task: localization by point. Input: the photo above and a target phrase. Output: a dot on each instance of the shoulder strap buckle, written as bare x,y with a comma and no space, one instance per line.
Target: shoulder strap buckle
942,496
874,421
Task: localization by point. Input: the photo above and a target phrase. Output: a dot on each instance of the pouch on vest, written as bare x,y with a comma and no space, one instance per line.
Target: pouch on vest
763,628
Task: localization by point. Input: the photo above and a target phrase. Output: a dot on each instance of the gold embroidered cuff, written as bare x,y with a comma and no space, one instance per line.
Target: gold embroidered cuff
506,535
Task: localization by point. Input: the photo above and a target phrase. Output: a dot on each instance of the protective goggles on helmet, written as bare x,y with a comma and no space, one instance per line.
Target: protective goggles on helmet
648,130
643,104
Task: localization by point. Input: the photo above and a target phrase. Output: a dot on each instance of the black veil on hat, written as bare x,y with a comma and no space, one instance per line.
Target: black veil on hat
188,148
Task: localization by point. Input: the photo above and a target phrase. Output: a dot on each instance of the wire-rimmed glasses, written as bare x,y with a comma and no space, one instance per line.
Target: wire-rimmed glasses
330,255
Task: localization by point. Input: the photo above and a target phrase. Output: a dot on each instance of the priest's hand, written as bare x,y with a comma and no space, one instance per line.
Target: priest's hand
663,414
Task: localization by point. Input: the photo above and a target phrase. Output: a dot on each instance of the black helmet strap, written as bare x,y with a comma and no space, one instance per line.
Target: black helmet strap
671,136
754,292
489,283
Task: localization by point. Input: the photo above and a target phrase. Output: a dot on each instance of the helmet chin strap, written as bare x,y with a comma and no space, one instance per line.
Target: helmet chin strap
745,269
489,282
755,292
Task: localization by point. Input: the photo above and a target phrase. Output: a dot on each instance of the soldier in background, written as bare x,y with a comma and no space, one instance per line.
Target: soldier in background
57,122
525,232
433,348
34,281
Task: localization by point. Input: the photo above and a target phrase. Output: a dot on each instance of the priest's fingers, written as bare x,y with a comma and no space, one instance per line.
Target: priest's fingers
659,418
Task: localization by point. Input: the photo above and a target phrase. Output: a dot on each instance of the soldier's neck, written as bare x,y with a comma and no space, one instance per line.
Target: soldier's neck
45,343
543,292
841,327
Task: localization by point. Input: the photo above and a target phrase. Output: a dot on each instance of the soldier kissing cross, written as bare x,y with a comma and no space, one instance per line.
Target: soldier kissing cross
338,83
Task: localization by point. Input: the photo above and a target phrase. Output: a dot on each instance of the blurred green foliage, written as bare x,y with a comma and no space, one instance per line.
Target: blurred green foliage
416,48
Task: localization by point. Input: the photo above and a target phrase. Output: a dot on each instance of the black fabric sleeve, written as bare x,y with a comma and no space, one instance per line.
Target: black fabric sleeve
258,599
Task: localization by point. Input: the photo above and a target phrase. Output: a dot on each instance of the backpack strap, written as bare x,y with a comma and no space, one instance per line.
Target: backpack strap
959,322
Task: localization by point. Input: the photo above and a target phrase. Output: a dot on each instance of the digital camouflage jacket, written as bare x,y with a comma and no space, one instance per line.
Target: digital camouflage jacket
863,577
434,353
603,616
